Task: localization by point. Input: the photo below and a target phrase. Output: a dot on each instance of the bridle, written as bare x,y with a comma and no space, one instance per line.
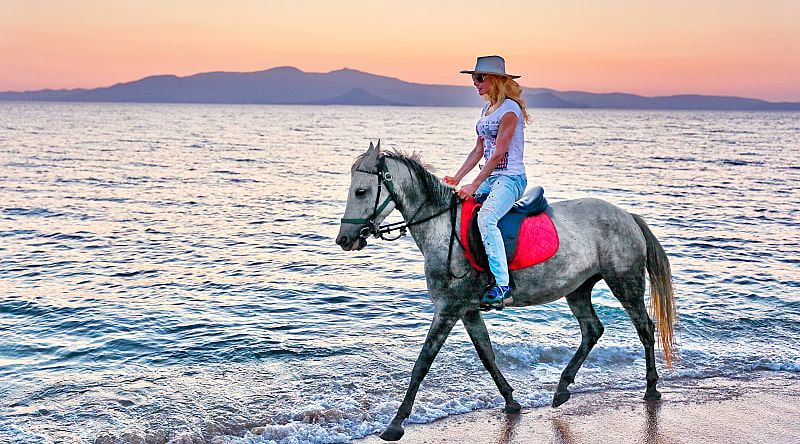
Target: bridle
385,178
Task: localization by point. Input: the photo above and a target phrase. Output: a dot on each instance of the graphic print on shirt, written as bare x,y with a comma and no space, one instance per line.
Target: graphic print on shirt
487,128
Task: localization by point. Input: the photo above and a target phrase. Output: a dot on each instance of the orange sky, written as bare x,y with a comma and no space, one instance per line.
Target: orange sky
743,48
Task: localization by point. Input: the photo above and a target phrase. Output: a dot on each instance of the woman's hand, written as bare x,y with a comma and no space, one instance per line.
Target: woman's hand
467,191
451,180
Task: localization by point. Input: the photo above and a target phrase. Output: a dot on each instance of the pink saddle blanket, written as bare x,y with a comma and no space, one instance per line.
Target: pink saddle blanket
537,242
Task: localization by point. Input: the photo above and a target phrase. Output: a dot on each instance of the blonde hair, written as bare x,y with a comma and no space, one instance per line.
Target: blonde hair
501,88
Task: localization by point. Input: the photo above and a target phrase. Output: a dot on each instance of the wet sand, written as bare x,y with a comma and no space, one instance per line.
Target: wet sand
764,408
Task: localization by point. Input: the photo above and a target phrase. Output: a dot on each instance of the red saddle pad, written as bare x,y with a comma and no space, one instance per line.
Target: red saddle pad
537,242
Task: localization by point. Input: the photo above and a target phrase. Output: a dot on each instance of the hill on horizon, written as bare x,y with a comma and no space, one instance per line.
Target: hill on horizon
289,85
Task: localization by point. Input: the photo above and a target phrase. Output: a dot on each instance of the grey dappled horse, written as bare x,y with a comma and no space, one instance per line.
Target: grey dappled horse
597,241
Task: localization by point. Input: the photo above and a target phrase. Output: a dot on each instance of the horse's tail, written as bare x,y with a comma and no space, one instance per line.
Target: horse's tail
662,297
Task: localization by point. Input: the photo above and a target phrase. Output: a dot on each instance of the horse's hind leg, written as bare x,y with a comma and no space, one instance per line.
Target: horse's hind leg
580,302
629,289
480,338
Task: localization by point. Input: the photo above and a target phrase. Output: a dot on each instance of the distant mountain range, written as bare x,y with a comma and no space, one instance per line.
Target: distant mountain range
289,85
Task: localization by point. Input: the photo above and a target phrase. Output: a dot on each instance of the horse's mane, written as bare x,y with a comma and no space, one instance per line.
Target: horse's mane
430,186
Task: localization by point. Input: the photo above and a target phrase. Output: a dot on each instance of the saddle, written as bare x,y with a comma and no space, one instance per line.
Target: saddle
529,235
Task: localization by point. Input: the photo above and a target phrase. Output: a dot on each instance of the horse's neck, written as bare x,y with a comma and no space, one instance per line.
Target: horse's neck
432,235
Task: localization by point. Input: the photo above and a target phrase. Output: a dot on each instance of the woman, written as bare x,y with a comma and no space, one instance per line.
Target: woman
502,178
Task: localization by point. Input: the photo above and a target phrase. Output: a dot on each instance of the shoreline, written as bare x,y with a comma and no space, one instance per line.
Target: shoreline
762,408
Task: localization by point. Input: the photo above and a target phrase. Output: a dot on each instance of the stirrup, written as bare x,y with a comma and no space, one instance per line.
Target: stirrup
489,306
495,299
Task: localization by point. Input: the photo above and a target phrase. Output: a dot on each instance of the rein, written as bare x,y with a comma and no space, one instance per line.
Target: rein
385,178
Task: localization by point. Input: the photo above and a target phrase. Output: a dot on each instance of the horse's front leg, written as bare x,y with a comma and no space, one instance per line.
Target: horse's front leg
473,322
440,328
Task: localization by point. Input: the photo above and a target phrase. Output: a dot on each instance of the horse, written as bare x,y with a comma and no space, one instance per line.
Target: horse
597,240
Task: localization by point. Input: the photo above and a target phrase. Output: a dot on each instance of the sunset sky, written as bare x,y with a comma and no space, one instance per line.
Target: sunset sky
742,48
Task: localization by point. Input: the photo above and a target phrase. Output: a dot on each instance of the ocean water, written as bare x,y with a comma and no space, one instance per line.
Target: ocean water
169,272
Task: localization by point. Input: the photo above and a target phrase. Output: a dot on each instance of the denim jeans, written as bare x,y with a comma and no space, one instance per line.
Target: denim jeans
502,192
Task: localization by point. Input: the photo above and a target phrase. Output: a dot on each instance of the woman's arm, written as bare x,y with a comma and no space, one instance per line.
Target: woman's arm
472,159
508,123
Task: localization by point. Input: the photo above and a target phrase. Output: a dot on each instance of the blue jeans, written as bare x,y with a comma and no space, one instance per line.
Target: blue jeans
502,192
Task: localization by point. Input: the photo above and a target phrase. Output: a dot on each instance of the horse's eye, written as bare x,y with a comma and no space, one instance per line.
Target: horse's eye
360,192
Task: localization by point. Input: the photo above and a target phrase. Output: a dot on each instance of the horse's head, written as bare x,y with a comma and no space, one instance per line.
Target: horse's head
369,201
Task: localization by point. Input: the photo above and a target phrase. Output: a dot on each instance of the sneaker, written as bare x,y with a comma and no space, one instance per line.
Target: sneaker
496,298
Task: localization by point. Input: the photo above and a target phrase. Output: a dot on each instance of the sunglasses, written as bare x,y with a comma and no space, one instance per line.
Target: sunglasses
479,78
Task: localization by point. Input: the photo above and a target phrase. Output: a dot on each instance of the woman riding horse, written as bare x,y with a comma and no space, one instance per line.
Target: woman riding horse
597,241
502,180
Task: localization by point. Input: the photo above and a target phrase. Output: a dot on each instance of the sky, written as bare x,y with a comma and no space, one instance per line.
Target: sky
733,47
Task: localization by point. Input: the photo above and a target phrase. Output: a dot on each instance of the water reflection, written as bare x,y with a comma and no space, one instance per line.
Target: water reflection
508,429
649,433
562,434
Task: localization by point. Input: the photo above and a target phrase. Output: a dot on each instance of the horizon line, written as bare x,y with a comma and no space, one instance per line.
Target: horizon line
345,68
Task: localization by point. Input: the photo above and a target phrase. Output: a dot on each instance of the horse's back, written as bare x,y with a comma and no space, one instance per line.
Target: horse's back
600,229
592,219
595,238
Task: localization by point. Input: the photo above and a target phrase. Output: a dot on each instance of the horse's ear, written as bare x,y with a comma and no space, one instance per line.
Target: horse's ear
370,160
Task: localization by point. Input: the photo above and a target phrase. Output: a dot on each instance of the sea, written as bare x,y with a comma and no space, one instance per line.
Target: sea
169,272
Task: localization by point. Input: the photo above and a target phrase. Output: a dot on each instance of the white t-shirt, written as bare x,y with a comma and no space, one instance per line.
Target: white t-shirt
488,126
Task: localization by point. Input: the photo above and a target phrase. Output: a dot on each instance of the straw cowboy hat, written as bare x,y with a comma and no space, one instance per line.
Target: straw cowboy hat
490,65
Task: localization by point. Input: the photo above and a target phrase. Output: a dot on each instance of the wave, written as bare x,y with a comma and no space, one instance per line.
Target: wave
362,400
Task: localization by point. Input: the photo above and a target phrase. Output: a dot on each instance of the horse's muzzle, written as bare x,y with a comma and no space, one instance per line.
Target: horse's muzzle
349,244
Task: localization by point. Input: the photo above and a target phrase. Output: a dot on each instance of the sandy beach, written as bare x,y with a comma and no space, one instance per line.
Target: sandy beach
762,409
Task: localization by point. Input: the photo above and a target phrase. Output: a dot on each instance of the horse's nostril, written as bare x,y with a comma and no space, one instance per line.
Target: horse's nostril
342,240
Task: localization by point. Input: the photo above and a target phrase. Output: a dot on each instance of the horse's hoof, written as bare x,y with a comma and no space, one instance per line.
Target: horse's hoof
652,395
560,398
512,407
392,433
